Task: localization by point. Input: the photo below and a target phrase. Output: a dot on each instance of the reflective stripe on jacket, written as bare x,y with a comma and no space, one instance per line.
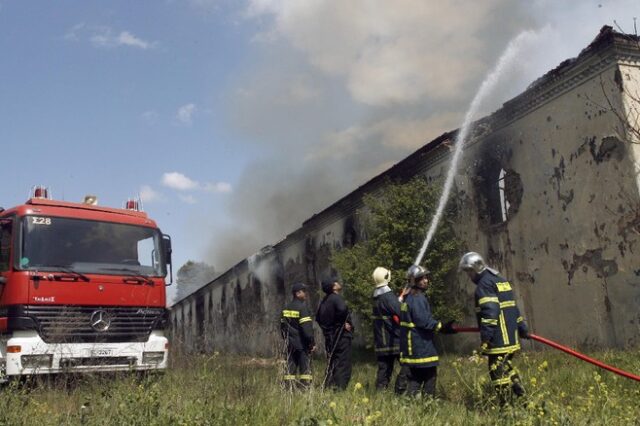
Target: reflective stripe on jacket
386,332
498,315
417,330
296,325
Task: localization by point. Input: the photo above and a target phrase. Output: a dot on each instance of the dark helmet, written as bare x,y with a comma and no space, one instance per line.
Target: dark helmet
297,287
415,272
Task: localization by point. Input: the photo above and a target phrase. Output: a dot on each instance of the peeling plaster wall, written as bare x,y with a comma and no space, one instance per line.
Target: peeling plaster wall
569,243
567,248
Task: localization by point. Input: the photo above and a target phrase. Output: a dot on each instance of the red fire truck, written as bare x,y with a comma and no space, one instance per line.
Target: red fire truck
82,288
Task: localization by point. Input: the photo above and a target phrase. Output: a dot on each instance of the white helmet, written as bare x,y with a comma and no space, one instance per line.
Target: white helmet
381,276
472,261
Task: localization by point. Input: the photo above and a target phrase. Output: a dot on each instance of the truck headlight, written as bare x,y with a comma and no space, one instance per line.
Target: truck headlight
36,361
152,357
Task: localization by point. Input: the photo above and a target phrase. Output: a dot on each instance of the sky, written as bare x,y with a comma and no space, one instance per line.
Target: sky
236,120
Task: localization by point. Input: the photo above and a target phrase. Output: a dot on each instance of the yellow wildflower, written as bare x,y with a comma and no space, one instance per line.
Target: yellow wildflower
358,386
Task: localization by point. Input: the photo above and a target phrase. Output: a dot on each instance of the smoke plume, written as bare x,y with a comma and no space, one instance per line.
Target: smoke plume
344,89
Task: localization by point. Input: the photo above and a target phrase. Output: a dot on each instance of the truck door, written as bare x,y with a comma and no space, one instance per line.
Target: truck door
6,227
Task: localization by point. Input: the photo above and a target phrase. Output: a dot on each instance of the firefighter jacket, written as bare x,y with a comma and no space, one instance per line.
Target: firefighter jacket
332,315
386,329
498,316
418,328
296,325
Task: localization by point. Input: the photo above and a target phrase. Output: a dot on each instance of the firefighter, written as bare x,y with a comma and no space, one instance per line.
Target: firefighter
335,321
418,328
500,322
386,332
297,329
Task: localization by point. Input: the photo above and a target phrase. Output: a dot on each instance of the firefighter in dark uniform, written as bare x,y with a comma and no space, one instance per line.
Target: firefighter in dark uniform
500,322
418,328
386,332
335,321
296,326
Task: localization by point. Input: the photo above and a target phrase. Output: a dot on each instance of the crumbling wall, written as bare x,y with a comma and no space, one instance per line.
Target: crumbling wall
548,191
569,188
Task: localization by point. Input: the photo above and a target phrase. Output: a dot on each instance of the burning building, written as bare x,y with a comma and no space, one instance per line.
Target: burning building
550,192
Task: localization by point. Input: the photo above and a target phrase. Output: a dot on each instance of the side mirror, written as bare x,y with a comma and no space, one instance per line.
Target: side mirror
166,240
166,244
3,280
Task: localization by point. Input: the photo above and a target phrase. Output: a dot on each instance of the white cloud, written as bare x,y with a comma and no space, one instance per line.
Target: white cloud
217,187
185,114
179,181
149,195
125,38
105,37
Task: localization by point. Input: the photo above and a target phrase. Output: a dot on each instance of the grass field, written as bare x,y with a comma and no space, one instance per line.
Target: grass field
228,390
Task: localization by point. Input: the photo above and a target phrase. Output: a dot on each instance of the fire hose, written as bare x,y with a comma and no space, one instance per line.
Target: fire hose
567,350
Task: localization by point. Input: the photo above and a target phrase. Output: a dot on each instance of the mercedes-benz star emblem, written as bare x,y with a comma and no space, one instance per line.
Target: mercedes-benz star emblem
100,321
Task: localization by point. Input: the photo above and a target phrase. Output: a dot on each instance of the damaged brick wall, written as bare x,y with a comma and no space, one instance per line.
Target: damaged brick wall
549,191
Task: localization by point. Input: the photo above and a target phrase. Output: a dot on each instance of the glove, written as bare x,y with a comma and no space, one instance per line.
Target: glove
447,328
523,334
483,347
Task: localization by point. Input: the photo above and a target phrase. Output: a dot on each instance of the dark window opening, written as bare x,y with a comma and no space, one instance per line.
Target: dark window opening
349,236
238,294
257,289
210,306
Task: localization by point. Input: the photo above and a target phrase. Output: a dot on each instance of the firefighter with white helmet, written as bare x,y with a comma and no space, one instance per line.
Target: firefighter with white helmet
386,331
501,325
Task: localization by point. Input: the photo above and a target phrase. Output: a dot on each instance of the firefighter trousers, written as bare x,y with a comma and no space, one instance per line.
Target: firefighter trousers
385,370
504,375
339,362
422,379
298,369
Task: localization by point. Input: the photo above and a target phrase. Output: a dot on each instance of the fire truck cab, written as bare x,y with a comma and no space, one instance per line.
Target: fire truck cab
82,288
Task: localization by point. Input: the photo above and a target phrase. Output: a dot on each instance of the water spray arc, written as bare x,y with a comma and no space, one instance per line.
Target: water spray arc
505,61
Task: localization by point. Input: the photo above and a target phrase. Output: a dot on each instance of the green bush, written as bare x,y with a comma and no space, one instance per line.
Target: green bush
395,221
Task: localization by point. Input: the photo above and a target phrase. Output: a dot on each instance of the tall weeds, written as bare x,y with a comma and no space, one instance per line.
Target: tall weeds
229,390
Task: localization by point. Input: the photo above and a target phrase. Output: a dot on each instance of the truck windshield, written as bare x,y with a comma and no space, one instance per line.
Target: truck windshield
87,246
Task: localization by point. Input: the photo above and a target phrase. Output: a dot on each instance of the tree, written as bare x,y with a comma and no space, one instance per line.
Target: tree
191,276
395,222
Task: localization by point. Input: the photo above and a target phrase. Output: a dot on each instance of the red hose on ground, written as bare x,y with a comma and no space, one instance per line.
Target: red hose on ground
566,350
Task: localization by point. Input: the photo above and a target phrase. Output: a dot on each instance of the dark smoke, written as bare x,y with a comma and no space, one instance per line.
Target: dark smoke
342,91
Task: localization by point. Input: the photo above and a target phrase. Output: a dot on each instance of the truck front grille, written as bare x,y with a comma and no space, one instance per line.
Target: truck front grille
97,361
94,324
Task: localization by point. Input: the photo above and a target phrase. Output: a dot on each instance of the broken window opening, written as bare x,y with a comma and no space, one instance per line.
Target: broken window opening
504,202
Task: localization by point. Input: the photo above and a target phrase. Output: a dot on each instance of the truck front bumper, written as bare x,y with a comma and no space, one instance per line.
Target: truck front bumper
25,353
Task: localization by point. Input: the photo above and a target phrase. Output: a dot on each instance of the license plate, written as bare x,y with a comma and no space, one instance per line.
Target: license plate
101,352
